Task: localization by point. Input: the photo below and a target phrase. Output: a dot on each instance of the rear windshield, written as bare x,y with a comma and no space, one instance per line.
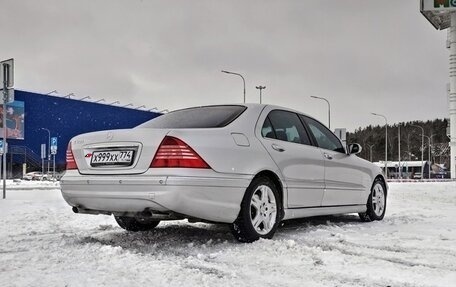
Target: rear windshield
196,118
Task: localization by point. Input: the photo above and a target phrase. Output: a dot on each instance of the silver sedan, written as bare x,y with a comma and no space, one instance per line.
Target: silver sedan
249,165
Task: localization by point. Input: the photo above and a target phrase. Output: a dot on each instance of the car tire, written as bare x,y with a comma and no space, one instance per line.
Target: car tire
260,212
376,203
136,224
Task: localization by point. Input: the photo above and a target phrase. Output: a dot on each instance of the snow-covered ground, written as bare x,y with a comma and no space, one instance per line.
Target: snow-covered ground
43,243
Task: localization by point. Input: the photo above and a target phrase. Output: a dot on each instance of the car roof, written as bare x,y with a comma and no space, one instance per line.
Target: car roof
254,106
262,106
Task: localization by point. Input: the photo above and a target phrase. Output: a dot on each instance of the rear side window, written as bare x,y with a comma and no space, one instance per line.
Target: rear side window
286,126
266,130
196,118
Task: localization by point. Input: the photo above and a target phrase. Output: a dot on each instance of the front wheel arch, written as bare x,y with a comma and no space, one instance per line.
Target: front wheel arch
382,178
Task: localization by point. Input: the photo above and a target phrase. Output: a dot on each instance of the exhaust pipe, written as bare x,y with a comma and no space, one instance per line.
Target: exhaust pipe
82,210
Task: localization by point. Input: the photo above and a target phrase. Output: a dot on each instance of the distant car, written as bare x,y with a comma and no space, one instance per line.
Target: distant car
35,175
28,176
416,175
250,166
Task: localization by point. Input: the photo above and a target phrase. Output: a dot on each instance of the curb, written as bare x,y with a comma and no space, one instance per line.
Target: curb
423,180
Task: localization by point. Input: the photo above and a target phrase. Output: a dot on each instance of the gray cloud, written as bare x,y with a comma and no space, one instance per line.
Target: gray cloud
380,56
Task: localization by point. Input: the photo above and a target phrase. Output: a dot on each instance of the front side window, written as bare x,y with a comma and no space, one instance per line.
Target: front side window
286,126
324,137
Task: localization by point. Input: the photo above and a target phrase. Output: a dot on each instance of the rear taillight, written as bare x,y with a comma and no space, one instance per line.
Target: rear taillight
173,152
70,162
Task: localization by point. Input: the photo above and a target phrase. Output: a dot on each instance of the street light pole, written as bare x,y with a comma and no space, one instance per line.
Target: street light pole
5,145
237,74
260,88
399,148
429,154
422,147
386,142
329,109
370,148
49,148
432,143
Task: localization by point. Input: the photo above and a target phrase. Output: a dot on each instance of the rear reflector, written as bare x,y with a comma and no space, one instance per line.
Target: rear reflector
70,162
173,152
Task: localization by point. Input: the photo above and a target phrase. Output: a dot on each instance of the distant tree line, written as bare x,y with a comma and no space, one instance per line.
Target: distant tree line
372,139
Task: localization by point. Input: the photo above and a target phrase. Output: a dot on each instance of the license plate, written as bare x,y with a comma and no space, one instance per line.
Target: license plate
116,157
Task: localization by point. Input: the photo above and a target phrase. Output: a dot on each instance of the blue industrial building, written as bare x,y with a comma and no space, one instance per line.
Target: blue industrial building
32,114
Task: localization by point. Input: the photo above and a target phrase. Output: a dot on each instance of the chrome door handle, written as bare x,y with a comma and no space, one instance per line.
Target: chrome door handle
328,156
277,147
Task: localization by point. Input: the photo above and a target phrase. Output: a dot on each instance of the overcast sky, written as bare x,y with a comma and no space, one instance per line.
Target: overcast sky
363,55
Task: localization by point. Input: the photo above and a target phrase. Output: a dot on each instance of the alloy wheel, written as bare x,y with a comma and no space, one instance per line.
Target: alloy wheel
263,210
378,199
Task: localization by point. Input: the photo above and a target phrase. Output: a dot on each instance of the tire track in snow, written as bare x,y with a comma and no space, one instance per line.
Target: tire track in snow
346,248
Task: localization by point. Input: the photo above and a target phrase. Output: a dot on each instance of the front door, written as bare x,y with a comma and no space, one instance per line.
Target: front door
345,178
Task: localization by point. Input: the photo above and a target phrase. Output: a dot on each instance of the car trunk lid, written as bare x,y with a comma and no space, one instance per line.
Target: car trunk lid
116,151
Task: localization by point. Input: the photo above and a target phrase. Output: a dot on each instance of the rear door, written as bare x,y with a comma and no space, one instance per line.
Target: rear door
301,164
344,177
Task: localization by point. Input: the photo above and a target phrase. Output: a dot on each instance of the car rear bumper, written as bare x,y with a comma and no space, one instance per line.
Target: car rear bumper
214,198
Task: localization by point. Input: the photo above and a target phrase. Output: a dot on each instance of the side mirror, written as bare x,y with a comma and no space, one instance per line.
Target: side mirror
354,148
